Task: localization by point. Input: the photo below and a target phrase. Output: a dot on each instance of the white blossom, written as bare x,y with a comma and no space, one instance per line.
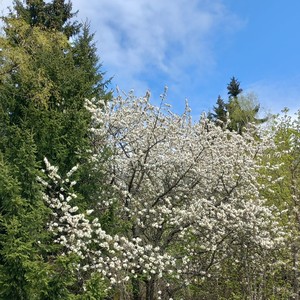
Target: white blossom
185,187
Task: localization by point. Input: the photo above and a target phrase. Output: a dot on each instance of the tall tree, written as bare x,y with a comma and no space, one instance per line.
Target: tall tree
39,91
283,178
240,109
43,87
243,110
46,83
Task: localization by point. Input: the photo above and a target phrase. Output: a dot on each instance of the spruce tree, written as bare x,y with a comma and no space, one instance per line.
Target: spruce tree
55,15
234,88
219,111
87,61
44,82
241,109
47,80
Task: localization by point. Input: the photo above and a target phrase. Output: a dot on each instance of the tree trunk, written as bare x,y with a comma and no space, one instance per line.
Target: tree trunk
150,289
136,291
296,272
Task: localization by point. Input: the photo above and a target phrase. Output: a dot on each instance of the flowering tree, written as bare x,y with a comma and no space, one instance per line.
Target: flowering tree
187,192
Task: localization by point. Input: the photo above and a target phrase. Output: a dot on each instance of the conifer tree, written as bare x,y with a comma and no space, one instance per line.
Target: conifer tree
86,59
55,15
241,109
47,81
220,111
234,88
44,82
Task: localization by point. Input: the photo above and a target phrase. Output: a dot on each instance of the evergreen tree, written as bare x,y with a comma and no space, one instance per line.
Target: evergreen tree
44,82
234,88
220,111
87,61
55,15
31,265
39,92
241,109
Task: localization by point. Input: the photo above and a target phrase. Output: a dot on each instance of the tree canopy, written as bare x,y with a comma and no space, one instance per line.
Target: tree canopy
44,80
54,15
112,197
239,111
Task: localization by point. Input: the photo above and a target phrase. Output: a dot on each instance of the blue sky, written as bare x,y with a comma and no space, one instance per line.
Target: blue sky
194,47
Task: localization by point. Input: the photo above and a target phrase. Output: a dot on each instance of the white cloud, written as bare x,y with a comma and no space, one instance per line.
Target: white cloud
152,43
141,41
3,6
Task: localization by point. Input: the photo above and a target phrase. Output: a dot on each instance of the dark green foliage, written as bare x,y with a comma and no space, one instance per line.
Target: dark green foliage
86,60
42,96
234,88
55,15
22,220
220,111
44,81
31,265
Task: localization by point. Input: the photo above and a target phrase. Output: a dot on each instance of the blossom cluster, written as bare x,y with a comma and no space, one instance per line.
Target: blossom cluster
183,178
189,191
115,257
